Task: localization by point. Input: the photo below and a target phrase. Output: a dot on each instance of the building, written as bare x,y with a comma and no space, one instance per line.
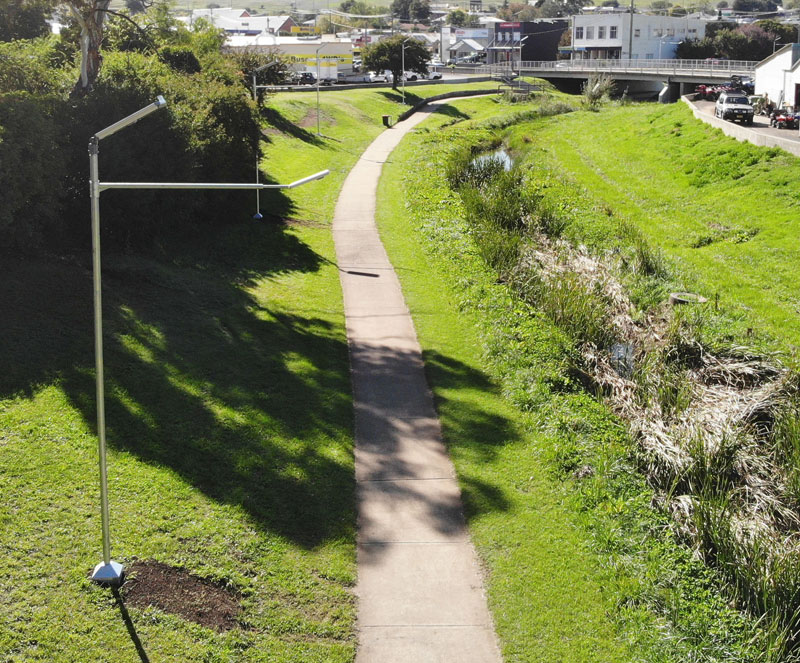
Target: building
608,35
335,56
527,40
241,22
779,76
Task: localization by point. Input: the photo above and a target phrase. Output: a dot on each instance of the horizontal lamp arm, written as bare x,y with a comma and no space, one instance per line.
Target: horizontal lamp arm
102,186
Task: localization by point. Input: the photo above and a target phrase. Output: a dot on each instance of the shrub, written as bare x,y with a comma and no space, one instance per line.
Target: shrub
597,90
31,168
208,132
32,66
180,58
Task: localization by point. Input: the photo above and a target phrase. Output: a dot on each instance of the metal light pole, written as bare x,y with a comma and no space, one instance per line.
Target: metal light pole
316,57
255,71
109,572
403,67
521,42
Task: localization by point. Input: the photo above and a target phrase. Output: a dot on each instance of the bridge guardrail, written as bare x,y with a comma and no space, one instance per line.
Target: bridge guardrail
674,67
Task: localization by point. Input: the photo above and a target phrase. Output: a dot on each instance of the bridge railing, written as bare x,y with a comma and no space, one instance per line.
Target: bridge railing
675,67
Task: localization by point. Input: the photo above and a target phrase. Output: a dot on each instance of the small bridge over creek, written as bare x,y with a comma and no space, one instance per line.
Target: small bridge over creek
677,77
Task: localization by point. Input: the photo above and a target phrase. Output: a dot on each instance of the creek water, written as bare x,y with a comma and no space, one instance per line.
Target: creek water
498,155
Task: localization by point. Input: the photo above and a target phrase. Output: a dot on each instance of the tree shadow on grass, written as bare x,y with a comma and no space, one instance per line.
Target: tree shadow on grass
276,120
249,403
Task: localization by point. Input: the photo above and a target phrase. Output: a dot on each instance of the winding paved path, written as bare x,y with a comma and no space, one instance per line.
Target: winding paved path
420,590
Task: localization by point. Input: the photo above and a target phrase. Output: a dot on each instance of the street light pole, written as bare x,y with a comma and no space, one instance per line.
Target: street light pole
316,58
109,572
403,67
255,71
521,41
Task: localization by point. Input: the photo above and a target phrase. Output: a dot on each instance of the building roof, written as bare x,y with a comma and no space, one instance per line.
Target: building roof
229,21
471,44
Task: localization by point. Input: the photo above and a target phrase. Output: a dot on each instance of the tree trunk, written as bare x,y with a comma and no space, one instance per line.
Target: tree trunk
91,17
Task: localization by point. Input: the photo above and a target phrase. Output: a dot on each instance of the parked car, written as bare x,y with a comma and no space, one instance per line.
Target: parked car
433,75
380,77
735,107
303,78
410,76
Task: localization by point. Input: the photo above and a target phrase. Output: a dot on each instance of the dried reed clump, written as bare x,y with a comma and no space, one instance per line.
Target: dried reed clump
705,423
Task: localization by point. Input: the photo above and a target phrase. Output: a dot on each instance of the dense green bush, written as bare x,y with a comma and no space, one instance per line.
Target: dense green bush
180,58
29,66
31,167
208,132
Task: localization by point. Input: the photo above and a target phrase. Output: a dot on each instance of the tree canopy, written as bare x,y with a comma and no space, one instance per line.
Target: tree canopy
24,19
411,10
388,54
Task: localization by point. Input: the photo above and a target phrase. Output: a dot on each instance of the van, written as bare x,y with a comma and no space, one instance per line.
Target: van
734,106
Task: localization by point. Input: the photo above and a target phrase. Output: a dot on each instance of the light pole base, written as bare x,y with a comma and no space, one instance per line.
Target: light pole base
110,574
258,216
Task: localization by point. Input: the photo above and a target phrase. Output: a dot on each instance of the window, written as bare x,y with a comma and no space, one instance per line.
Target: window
601,32
612,32
636,32
590,32
658,32
692,31
671,32
579,33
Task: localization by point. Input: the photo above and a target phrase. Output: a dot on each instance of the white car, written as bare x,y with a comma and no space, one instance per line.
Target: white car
433,75
380,77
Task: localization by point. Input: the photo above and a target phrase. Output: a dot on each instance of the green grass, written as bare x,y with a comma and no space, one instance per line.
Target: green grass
548,596
578,569
724,212
229,427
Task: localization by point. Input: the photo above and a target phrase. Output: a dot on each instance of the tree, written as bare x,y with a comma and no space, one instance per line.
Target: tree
754,5
91,18
388,54
783,32
458,18
420,10
411,10
24,19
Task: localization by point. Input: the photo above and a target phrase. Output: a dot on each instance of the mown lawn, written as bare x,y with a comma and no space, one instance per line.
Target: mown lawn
725,212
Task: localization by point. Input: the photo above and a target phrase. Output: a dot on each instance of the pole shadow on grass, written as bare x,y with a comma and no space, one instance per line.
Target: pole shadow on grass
126,618
248,403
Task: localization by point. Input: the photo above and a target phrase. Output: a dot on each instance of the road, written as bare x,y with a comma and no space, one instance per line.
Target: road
760,123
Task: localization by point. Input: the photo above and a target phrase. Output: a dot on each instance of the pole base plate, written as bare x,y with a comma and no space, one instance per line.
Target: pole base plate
111,574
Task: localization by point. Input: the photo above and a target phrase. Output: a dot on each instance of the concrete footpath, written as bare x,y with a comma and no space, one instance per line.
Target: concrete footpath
420,589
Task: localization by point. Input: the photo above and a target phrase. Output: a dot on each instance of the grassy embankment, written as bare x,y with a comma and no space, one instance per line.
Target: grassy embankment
536,450
229,426
726,212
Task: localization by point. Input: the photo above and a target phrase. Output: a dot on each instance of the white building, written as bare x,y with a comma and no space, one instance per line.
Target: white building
241,22
608,35
335,56
779,76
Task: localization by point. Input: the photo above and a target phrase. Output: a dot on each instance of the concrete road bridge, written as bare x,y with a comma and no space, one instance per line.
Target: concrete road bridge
674,77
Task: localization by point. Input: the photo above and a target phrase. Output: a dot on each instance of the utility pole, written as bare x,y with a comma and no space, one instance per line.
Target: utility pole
630,36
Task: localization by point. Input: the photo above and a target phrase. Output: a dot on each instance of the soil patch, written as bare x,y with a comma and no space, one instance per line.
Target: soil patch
309,120
172,590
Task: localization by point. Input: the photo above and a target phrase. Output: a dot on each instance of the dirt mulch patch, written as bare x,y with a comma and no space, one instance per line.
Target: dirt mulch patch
173,590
